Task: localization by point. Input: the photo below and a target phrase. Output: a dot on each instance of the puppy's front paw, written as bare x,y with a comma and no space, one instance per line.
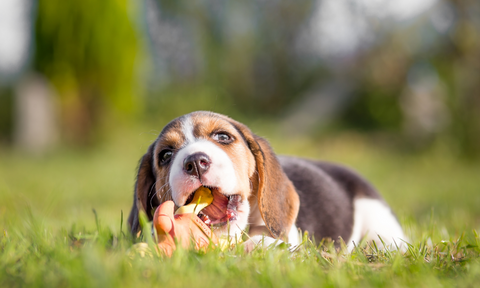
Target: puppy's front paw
249,245
260,240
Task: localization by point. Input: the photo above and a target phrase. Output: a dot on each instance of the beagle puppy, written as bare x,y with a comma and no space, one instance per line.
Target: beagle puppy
273,195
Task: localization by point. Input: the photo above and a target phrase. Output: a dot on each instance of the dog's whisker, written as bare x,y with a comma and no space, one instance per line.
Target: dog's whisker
153,195
164,196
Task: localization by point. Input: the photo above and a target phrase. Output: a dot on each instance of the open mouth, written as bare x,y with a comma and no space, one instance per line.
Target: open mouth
222,210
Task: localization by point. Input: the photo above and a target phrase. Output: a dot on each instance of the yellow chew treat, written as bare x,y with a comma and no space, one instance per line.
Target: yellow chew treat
201,199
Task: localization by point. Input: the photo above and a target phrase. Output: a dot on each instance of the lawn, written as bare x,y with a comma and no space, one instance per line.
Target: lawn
62,225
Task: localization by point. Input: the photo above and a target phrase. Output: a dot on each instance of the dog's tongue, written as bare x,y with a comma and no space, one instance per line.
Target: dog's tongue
218,208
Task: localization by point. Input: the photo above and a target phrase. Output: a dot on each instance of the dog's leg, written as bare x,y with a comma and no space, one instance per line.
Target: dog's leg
374,219
259,238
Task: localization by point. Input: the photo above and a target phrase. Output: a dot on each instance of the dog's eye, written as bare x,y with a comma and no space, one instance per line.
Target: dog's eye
164,156
222,138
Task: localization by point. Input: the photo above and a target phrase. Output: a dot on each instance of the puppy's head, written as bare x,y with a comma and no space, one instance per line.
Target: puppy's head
212,150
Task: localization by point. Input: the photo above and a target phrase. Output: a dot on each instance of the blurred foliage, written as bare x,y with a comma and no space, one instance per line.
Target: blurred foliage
413,80
88,49
416,82
245,50
453,57
373,110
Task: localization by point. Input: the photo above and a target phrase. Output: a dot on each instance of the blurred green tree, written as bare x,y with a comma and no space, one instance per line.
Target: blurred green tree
88,50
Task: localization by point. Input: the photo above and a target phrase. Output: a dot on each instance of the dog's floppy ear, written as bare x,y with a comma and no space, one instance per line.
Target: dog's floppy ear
143,197
278,201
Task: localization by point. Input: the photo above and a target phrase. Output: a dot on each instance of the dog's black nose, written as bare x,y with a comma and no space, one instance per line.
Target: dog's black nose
196,164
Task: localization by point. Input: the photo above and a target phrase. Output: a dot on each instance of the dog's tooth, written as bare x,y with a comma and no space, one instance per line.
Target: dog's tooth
207,220
230,214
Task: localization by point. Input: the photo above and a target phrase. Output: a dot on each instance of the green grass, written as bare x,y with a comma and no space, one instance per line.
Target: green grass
51,237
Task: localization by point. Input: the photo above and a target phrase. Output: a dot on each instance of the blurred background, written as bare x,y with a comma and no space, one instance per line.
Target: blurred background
390,88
